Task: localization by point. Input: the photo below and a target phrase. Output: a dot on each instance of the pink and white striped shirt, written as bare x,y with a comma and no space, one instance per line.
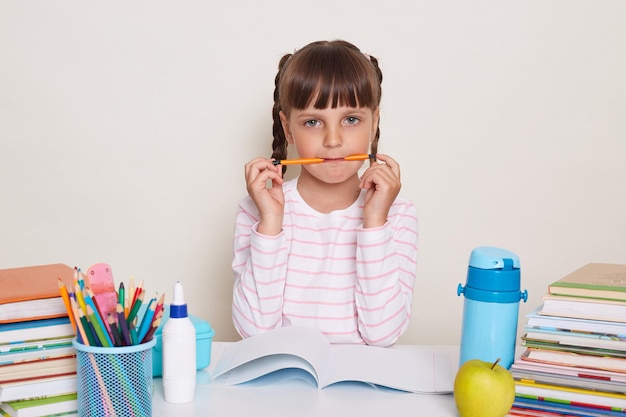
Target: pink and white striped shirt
326,271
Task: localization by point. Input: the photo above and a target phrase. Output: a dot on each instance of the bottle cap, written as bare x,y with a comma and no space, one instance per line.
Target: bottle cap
178,308
493,275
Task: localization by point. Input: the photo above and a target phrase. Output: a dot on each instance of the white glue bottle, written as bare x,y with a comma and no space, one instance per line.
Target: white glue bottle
179,352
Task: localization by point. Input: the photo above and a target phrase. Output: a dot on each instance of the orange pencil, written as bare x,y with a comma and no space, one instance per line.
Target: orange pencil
79,325
66,301
357,157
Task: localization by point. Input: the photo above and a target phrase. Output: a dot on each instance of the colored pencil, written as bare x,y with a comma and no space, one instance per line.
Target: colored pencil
136,293
89,336
121,322
130,294
153,328
66,301
78,292
302,161
146,322
121,296
159,306
97,317
135,307
102,334
115,333
80,329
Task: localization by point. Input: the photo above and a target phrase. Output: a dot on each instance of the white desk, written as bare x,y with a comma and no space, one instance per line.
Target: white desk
299,399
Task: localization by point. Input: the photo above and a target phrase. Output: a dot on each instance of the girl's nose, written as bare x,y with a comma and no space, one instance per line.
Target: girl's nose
332,139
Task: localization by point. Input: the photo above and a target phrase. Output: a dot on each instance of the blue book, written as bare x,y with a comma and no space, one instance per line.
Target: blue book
35,330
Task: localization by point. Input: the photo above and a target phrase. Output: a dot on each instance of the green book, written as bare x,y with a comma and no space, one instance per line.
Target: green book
46,406
594,280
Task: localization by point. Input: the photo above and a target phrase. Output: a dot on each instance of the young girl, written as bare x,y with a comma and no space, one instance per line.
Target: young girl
327,249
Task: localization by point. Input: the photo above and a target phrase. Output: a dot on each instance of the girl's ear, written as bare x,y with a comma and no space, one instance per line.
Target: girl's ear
285,123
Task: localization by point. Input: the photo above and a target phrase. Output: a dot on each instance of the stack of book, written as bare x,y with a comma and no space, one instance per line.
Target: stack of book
37,359
574,363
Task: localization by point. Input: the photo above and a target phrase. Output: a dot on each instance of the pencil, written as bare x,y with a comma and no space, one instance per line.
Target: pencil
117,340
79,327
121,321
130,294
136,293
79,297
100,332
66,301
153,328
99,320
146,322
89,336
159,306
135,308
121,296
302,161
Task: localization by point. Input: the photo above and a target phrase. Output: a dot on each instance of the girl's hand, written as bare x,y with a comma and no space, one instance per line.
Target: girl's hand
270,201
382,182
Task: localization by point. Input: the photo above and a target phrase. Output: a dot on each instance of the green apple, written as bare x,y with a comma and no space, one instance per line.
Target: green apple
483,389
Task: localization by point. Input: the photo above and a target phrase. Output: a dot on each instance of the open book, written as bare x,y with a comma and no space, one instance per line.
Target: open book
290,352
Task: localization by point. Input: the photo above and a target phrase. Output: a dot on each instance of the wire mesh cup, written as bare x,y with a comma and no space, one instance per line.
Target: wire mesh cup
114,381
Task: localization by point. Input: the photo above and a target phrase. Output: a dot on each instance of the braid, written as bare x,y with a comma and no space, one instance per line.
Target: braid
379,74
279,145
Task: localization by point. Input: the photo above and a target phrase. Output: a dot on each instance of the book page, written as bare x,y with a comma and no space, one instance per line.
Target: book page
287,347
408,369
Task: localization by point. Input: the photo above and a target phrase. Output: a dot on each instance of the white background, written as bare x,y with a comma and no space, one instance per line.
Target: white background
125,125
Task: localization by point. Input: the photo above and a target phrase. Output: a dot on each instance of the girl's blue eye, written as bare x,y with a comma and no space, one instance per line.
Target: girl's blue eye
311,123
352,120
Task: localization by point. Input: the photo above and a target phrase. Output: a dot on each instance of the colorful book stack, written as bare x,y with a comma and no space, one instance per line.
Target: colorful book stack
37,359
575,358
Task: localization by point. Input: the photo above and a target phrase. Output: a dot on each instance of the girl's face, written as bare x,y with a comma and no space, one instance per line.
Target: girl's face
331,134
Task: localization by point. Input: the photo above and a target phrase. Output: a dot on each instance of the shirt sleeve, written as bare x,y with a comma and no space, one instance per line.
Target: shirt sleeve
386,267
260,267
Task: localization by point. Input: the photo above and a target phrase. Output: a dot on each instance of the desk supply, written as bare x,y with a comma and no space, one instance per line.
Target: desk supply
594,280
305,353
38,349
204,340
22,371
491,307
32,292
303,161
584,308
179,352
535,321
100,281
575,357
47,406
40,387
114,381
24,331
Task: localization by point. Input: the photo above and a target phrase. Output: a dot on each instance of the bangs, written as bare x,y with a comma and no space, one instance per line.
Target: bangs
329,76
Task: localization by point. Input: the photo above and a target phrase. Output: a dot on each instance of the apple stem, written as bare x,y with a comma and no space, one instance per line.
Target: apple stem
495,363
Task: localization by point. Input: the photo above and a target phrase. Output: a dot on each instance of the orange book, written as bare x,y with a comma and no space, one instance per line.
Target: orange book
32,292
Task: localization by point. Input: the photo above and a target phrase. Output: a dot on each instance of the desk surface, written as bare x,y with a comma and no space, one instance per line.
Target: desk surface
298,398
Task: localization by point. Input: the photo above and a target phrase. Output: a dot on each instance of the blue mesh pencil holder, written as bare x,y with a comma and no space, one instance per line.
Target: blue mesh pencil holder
115,381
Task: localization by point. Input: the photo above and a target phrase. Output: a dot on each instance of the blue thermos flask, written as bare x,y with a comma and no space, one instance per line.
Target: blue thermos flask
491,306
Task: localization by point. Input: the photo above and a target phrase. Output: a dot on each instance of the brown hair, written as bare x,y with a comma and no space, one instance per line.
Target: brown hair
333,73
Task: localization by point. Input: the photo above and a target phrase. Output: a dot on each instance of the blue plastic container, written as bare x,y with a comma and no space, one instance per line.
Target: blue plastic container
491,306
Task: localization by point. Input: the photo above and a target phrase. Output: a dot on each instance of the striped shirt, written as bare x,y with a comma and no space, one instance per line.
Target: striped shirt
324,270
